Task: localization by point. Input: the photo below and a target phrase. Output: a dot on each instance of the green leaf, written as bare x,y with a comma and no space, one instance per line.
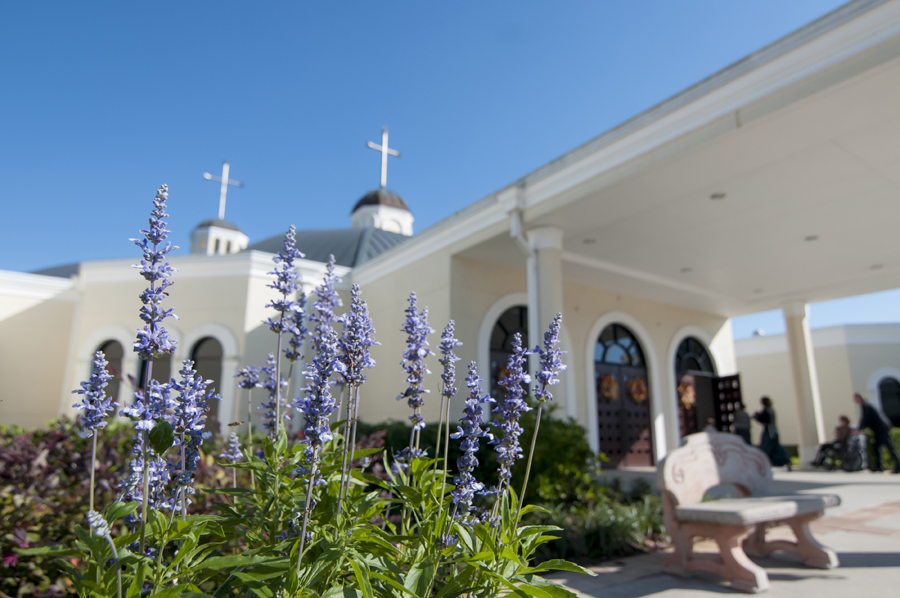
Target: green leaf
560,565
217,563
138,582
118,510
60,550
420,577
391,582
161,436
362,578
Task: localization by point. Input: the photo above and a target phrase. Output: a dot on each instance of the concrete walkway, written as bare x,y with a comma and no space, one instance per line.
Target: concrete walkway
864,531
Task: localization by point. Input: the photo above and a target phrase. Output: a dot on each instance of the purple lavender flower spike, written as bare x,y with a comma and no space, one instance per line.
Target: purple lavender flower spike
296,326
357,339
471,432
318,404
153,339
551,364
448,359
232,451
270,412
158,473
417,330
95,403
150,406
188,420
328,300
509,409
287,282
248,377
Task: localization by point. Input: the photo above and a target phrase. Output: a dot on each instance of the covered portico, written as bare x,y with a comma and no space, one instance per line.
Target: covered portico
770,185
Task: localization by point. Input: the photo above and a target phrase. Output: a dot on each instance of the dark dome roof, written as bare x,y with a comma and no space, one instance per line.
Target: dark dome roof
218,223
350,246
381,197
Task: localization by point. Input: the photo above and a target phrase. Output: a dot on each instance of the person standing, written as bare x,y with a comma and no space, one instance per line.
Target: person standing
869,417
769,441
742,423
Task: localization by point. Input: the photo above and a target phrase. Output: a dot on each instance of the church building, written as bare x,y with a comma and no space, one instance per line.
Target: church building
768,185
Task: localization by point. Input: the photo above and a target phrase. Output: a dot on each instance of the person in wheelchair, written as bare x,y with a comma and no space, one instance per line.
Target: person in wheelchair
840,448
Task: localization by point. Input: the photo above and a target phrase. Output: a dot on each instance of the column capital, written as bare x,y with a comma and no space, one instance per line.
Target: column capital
545,237
795,309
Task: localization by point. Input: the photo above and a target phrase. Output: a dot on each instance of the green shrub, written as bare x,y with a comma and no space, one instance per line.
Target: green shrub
886,460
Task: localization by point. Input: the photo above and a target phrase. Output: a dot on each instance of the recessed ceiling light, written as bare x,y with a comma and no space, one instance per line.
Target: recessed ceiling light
687,269
811,238
589,241
717,195
877,266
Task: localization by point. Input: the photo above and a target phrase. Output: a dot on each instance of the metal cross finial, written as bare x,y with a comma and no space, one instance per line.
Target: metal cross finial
224,190
385,150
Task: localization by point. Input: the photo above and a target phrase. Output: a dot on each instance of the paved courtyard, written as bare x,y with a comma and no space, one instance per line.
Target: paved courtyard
864,531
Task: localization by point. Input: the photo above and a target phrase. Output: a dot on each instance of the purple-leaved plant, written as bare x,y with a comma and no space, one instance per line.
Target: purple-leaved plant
188,420
356,341
287,282
471,432
417,330
153,339
96,407
317,406
507,411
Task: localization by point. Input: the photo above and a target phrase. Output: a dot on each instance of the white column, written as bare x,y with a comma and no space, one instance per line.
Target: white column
228,407
806,383
545,290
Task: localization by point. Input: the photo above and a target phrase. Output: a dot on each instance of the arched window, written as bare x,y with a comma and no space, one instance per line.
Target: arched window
694,373
162,370
513,320
618,346
114,356
207,357
692,356
623,405
889,392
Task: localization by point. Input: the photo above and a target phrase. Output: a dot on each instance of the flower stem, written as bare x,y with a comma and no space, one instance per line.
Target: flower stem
446,452
537,425
93,466
278,382
347,444
250,435
116,559
309,492
146,483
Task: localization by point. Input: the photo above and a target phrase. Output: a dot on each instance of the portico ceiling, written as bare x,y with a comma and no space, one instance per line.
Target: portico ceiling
811,208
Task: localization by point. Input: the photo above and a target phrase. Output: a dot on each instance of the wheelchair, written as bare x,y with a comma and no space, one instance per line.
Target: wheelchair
849,456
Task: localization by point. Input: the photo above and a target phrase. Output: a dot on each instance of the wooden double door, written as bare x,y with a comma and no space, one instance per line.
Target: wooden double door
623,415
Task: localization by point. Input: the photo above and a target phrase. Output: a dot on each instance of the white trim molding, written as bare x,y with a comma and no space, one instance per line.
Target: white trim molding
657,413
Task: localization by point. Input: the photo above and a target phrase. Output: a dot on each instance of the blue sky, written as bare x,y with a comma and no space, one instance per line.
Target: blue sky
102,102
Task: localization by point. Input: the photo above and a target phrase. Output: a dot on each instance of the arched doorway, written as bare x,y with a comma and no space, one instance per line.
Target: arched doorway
623,398
207,357
513,320
694,374
115,354
889,393
162,371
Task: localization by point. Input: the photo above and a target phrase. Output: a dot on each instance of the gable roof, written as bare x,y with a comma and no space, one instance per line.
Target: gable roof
350,246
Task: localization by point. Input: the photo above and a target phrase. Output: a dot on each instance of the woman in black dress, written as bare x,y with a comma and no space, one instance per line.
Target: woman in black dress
769,441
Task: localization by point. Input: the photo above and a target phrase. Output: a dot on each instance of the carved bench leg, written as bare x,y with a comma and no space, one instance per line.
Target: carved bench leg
744,574
807,547
683,553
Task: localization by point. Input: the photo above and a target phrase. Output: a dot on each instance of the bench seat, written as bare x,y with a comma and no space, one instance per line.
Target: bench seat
751,510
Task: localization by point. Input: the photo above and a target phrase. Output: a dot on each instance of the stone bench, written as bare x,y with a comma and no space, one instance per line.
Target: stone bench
738,525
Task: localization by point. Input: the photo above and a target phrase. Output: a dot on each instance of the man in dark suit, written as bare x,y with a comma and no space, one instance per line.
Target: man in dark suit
870,418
